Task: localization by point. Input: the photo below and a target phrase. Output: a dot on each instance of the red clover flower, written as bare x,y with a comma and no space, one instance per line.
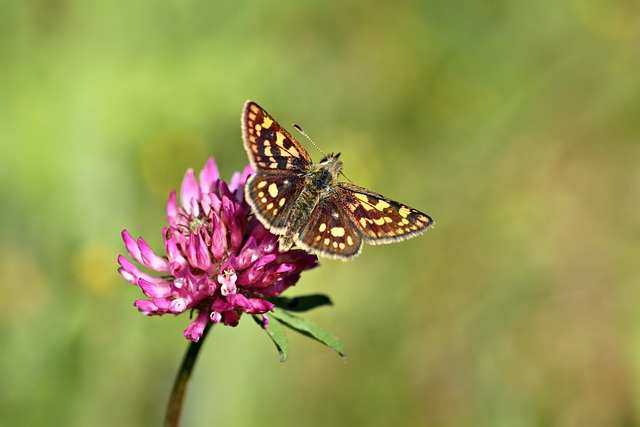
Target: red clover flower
220,260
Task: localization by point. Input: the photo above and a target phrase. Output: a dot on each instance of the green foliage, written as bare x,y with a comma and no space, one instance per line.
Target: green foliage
301,303
276,332
310,329
304,326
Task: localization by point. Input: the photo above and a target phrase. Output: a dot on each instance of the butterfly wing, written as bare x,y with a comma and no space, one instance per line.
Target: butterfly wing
272,197
269,146
330,231
380,219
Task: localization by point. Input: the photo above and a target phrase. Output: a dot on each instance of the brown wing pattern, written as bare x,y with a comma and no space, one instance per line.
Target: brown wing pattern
272,196
380,219
269,145
330,231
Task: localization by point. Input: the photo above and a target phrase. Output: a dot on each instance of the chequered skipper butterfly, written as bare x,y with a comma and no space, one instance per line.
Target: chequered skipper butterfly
304,203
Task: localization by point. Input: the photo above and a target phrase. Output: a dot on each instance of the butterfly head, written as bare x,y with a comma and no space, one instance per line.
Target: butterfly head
325,173
331,163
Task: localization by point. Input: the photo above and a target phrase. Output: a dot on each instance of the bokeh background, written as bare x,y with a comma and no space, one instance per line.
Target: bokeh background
514,124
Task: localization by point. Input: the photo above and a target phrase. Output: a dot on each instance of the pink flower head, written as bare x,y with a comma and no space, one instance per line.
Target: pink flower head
220,261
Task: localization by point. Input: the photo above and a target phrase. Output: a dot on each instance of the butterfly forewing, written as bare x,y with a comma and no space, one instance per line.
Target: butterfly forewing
269,146
330,231
380,219
272,197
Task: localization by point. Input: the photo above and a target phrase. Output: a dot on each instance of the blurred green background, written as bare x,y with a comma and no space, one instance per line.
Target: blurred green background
514,124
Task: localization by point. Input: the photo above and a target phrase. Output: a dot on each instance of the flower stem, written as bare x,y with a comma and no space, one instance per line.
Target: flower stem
174,407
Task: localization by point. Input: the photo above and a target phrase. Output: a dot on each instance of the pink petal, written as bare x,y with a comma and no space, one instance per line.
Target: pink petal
150,259
197,252
146,307
132,271
215,317
179,305
221,305
237,182
219,238
173,253
230,318
155,290
196,328
189,191
172,209
240,301
131,246
248,255
209,177
260,306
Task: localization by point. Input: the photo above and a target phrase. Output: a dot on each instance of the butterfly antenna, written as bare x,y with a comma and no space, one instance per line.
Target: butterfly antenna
346,177
299,129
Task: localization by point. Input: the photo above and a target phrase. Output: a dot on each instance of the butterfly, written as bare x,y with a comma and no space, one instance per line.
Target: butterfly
305,204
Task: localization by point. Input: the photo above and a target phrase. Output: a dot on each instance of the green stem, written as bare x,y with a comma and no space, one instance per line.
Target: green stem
174,408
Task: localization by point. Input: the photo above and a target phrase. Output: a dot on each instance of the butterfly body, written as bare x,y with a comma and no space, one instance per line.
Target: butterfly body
306,204
318,186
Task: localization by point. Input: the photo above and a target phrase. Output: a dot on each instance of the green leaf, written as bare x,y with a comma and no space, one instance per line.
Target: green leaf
302,303
277,334
309,329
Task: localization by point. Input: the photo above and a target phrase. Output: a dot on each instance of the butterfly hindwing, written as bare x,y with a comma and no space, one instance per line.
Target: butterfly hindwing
380,219
330,231
269,145
272,196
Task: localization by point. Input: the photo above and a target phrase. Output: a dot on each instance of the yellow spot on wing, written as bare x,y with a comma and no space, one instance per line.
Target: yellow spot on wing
326,241
283,151
379,221
262,184
337,231
270,206
366,204
381,205
281,202
322,227
342,246
361,197
267,122
273,190
279,139
404,211
267,151
349,241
